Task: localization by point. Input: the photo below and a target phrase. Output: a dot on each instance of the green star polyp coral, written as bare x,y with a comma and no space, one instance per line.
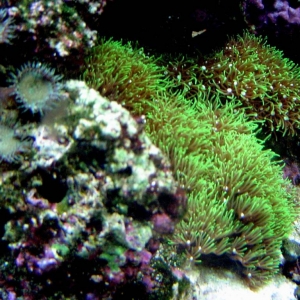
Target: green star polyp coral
266,83
238,205
123,74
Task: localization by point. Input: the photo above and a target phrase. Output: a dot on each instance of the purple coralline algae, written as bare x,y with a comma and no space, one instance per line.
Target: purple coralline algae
291,171
279,15
89,205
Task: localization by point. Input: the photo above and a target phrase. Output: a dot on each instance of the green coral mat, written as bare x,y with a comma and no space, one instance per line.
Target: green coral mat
238,203
265,82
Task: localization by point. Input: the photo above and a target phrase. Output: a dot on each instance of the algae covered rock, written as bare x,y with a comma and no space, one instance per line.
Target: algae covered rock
91,198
